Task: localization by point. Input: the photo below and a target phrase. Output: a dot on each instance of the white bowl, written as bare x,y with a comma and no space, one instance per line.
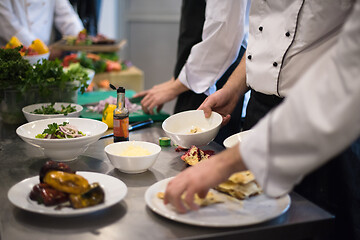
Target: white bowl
62,149
178,127
132,164
34,58
27,111
234,139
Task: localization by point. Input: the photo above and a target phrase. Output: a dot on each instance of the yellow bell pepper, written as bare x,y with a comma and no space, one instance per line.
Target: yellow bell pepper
13,43
108,115
39,46
67,182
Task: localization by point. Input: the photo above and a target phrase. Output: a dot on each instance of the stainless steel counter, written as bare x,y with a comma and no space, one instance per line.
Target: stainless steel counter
131,218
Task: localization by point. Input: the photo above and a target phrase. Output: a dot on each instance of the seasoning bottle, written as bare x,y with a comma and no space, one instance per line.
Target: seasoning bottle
121,118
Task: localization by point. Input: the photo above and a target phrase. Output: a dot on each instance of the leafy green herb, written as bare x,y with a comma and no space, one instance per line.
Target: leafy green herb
17,73
49,109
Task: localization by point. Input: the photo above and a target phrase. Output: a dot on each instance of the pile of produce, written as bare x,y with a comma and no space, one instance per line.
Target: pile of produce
18,74
61,185
83,39
102,62
37,47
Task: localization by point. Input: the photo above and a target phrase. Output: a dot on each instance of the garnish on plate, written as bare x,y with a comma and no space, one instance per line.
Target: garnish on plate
60,131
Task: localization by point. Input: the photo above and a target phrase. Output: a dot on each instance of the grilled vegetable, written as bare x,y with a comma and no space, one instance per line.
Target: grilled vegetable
93,196
53,166
67,182
45,194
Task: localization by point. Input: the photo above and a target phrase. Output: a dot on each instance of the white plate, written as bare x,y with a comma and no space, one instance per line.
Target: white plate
234,139
230,213
115,190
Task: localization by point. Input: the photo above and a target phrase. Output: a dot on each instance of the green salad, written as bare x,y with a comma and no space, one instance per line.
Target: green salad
49,109
60,131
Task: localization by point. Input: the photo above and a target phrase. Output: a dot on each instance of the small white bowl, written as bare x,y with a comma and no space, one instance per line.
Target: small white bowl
178,127
234,139
27,111
62,149
34,58
132,164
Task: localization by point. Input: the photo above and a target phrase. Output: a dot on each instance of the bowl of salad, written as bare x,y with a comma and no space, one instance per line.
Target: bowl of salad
51,110
62,139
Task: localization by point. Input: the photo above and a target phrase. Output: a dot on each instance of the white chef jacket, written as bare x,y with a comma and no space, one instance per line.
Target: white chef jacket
31,19
225,30
321,114
287,37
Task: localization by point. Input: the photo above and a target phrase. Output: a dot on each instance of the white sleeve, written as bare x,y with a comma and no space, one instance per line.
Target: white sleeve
222,37
319,118
11,26
66,19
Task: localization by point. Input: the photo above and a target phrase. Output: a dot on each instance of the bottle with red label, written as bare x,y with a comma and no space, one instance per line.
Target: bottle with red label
121,118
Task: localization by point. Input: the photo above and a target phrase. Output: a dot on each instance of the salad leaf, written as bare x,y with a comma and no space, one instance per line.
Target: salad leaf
49,109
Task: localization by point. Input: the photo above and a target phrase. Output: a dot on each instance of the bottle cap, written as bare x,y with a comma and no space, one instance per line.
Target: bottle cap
121,90
164,141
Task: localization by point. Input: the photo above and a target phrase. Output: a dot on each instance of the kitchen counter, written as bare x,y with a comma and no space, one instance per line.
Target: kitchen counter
131,218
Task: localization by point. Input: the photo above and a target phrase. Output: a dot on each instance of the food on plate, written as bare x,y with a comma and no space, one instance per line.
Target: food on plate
93,196
53,166
60,131
210,198
195,130
66,182
49,109
63,185
134,151
45,194
240,185
195,155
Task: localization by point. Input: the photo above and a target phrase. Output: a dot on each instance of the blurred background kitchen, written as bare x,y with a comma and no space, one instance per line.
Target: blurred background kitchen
151,29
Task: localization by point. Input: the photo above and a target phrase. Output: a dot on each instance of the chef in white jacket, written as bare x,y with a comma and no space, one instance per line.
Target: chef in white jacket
31,19
208,59
308,51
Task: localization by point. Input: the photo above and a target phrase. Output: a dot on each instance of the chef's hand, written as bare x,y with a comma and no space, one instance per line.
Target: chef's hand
222,101
160,94
201,177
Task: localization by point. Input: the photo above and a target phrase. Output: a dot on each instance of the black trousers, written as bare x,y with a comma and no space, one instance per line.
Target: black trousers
334,186
191,26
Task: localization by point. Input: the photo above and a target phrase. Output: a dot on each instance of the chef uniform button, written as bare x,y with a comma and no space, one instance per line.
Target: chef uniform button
275,64
261,28
287,34
249,57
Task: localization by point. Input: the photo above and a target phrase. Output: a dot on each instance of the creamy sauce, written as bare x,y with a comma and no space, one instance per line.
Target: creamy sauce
134,151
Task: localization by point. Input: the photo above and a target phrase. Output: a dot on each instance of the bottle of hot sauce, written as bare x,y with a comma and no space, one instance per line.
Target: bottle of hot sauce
121,118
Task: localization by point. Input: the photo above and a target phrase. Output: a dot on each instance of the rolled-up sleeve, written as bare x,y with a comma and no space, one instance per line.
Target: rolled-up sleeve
223,33
66,19
319,118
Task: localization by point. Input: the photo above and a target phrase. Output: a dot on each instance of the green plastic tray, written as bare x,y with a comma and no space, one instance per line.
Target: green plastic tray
96,96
